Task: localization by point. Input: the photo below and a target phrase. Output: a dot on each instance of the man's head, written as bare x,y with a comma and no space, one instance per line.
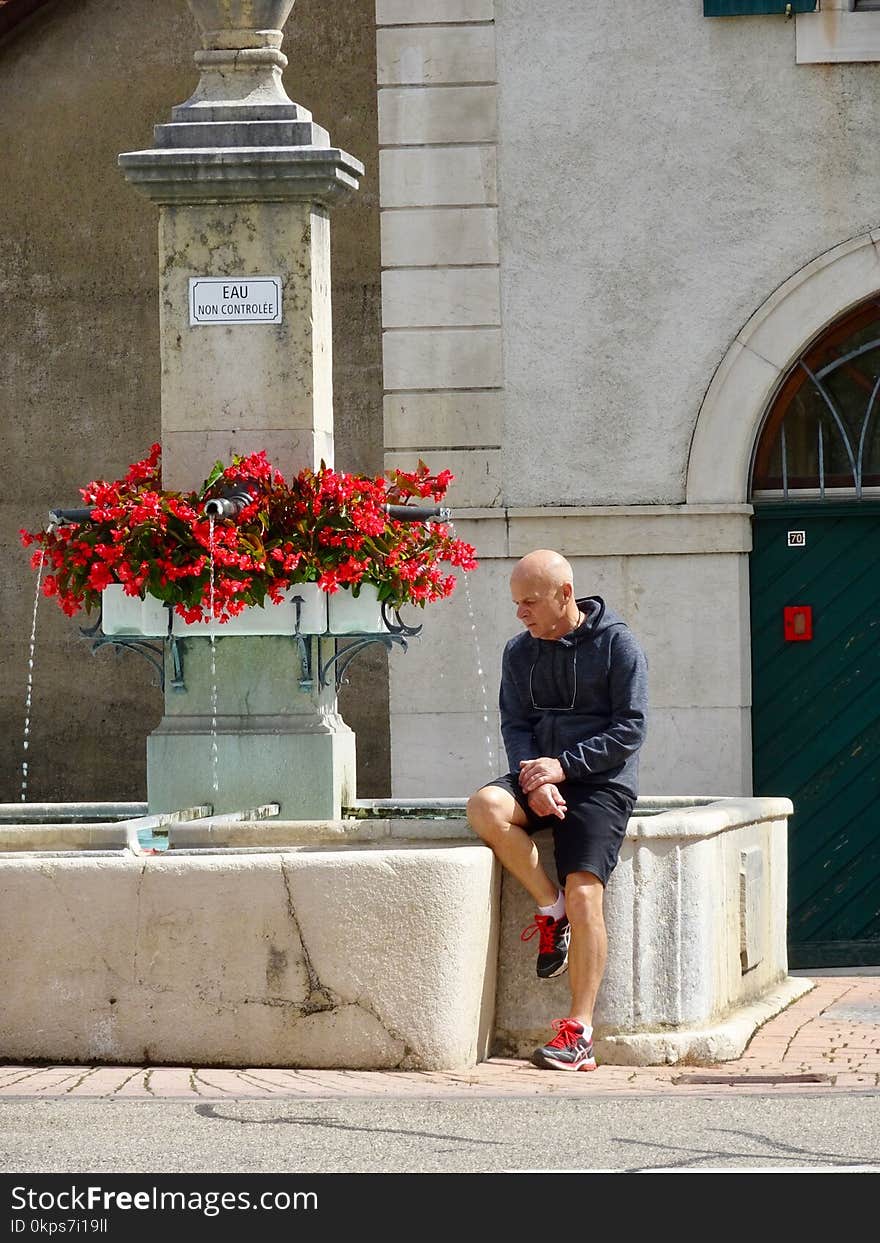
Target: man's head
542,588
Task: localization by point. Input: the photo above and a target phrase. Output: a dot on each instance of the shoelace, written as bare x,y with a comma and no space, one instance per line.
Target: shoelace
569,1033
546,926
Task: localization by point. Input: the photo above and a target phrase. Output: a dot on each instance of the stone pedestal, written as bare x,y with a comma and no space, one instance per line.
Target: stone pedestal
238,388
276,742
243,179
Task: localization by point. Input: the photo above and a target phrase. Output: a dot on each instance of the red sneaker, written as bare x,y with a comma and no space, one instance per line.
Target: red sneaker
570,1049
555,935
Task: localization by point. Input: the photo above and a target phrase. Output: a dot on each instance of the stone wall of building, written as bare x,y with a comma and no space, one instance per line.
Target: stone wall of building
79,83
604,199
662,174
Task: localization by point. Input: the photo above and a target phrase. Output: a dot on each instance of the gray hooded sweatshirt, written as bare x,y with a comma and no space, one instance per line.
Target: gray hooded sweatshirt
582,698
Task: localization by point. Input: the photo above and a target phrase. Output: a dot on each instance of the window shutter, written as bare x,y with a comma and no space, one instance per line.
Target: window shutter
752,8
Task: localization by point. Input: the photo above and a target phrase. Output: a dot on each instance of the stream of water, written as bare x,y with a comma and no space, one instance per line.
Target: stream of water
215,757
30,687
490,749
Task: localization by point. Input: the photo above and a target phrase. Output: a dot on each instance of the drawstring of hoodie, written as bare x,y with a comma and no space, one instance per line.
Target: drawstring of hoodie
563,690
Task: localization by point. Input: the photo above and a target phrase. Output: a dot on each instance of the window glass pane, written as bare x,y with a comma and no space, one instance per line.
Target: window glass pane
871,453
826,409
851,388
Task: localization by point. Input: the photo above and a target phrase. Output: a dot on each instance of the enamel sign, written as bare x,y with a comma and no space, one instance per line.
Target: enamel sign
234,300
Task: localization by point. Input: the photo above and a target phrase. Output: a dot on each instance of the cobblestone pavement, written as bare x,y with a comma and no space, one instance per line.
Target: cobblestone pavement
826,1042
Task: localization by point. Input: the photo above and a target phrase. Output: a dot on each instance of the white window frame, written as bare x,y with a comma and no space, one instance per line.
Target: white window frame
837,33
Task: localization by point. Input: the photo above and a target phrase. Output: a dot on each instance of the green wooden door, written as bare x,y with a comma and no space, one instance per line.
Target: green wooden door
816,720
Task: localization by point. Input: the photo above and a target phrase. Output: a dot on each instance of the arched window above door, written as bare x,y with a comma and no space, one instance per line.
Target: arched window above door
821,437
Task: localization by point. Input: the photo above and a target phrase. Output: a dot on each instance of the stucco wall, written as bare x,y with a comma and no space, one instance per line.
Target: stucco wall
79,399
659,177
661,174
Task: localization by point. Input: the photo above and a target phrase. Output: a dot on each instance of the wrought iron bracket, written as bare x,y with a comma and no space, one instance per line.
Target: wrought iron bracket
343,657
153,654
306,678
89,632
398,627
399,634
176,647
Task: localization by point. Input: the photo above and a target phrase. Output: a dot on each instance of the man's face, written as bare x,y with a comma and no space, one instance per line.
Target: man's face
540,606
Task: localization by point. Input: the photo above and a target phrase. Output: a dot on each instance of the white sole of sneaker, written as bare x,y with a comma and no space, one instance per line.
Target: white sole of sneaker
548,1064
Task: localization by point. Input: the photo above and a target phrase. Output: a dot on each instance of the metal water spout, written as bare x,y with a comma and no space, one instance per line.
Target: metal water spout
232,501
58,516
418,513
228,504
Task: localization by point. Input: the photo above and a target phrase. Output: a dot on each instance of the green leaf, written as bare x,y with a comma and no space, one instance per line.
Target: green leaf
216,472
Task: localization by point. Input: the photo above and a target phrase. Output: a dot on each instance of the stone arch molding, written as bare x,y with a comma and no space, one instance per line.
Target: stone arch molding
736,401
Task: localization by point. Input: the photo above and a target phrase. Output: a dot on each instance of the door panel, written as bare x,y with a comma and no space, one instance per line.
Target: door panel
816,720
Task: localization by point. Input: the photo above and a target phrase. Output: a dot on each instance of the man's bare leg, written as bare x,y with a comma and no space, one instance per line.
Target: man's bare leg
588,950
498,819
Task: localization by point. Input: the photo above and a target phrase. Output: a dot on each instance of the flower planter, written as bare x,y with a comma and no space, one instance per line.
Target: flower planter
129,615
319,613
313,527
361,614
269,618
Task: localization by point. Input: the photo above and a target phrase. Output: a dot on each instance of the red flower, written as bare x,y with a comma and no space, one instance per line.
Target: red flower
276,590
329,582
368,518
109,553
351,571
181,510
146,471
99,576
189,614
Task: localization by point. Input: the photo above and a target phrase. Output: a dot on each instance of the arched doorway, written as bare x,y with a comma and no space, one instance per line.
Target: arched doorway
815,620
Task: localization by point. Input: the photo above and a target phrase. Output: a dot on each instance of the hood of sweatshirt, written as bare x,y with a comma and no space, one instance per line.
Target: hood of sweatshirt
597,619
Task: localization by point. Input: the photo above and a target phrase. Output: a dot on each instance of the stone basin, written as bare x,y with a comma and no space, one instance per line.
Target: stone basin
384,939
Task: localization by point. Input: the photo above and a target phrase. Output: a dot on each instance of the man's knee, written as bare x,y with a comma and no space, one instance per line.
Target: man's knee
490,811
584,897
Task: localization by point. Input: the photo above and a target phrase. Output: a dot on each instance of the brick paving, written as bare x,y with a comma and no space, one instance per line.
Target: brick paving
826,1041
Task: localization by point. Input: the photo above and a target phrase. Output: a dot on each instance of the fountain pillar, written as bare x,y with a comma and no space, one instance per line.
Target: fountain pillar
244,179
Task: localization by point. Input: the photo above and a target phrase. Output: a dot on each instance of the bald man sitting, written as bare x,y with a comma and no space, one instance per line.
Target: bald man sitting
573,707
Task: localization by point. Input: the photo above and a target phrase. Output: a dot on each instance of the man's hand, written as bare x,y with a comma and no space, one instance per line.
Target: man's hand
547,801
534,773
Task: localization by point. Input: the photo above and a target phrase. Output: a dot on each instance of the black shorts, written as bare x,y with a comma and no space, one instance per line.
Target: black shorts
591,835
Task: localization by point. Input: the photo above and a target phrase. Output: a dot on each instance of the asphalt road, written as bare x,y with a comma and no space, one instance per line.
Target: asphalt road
830,1132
